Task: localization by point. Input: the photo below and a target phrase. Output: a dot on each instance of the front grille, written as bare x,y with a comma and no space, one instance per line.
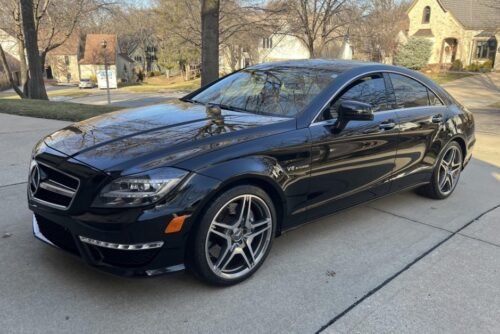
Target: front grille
123,258
52,187
56,234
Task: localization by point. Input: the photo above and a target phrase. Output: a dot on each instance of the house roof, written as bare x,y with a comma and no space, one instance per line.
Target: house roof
14,64
424,33
126,57
486,33
94,54
70,47
475,14
8,31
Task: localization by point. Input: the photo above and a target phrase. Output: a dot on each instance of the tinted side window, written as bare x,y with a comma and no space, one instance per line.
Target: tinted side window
369,89
433,99
409,93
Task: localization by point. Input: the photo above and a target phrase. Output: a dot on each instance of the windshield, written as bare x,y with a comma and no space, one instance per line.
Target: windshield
279,91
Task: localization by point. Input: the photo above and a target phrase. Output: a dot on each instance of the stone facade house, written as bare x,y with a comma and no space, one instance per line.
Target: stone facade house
468,30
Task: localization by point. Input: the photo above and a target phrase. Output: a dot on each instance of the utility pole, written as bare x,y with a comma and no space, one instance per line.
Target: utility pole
104,44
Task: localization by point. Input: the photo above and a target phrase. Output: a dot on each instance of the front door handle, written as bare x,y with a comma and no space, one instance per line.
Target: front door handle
387,124
437,118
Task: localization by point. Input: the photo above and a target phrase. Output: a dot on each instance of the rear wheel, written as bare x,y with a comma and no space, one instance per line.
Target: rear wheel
234,236
446,174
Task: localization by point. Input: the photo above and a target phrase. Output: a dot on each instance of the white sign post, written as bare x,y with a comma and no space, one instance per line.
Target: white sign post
101,79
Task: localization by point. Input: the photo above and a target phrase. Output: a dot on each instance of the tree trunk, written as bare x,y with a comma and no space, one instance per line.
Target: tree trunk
23,66
20,49
36,86
5,65
310,48
209,41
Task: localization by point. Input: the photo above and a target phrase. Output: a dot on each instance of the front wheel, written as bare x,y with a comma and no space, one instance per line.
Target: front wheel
234,236
446,174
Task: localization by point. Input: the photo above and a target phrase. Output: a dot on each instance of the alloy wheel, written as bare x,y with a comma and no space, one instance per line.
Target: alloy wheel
239,236
449,170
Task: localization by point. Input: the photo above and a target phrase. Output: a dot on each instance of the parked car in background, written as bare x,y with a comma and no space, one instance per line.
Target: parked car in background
207,181
86,83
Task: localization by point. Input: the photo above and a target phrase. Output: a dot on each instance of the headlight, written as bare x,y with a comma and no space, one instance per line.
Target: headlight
139,189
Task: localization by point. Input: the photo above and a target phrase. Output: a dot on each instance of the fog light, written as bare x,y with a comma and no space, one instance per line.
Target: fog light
131,247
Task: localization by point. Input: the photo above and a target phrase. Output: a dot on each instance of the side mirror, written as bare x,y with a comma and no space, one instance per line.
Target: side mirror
355,111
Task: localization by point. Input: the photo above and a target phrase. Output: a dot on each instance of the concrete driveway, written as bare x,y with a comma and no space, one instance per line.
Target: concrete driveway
476,91
402,264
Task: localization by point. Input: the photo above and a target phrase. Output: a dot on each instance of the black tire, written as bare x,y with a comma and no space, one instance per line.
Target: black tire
433,189
198,259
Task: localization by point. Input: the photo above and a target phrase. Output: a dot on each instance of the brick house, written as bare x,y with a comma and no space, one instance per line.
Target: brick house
468,30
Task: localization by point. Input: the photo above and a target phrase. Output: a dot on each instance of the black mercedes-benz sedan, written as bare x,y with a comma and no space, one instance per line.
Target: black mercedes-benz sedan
207,181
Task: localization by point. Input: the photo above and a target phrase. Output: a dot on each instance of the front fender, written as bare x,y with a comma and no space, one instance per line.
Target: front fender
259,168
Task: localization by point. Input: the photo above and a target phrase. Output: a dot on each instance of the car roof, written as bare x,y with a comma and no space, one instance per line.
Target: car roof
340,66
336,65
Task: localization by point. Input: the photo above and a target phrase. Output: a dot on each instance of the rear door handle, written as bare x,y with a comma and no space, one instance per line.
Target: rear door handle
387,124
437,118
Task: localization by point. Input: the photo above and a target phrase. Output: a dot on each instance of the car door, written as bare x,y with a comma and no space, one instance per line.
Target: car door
354,164
421,115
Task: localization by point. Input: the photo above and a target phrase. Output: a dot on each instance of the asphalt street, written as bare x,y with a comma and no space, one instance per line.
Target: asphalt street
121,98
401,264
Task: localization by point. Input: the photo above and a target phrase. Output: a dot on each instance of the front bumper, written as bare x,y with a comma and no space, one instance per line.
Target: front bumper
100,248
103,229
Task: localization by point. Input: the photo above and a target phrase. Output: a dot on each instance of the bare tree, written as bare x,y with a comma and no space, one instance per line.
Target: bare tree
239,22
318,22
54,22
36,86
377,34
10,21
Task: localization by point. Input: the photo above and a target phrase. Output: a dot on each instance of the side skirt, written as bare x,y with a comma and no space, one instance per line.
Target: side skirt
413,186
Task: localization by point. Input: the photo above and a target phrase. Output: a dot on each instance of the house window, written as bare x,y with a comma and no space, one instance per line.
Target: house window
151,49
138,59
267,43
486,49
427,15
66,60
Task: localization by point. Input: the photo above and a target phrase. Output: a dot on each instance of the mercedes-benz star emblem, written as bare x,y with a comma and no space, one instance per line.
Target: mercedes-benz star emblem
34,179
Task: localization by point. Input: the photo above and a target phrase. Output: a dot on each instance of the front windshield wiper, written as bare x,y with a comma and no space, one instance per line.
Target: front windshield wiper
220,105
191,101
229,107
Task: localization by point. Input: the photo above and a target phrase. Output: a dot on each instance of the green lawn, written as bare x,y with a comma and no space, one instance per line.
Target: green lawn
71,92
52,110
445,77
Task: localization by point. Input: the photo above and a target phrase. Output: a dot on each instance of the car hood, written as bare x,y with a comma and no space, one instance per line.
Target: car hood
162,134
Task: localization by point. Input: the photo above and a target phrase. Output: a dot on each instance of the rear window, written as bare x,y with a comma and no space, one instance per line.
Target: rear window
411,93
